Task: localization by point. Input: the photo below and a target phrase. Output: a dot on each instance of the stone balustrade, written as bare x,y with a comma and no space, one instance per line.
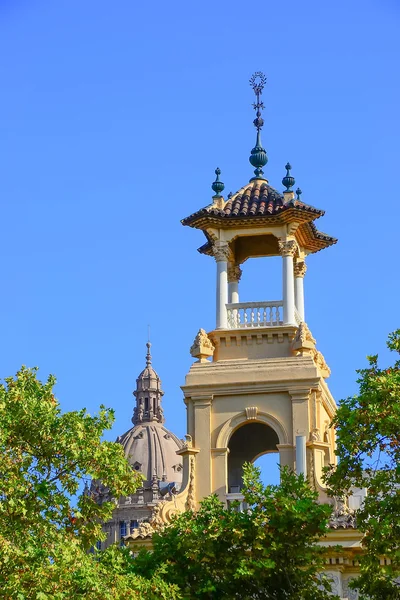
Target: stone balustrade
245,315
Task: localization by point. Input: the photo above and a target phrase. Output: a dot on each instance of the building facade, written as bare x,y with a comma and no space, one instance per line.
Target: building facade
258,383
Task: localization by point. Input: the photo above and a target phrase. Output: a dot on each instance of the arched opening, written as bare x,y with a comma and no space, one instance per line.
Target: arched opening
269,466
261,279
246,444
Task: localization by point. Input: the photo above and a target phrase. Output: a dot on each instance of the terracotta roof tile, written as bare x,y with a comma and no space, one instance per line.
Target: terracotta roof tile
252,205
256,199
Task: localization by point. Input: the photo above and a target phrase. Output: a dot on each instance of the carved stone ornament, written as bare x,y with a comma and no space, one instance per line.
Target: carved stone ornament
320,363
303,340
190,500
348,591
144,530
251,412
300,268
234,273
202,347
187,442
315,435
221,251
342,517
304,343
288,247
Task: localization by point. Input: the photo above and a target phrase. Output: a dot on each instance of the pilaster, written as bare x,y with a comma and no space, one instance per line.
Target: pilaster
202,440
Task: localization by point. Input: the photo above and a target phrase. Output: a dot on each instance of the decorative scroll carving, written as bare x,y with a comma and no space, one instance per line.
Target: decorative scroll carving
315,435
327,433
288,247
234,273
190,500
320,362
304,343
348,591
311,470
221,251
303,338
300,268
343,517
202,346
144,530
156,520
251,412
187,442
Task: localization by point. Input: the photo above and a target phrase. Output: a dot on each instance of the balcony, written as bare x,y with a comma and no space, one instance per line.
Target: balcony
246,315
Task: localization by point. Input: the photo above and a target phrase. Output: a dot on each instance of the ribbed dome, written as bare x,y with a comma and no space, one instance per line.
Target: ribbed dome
151,450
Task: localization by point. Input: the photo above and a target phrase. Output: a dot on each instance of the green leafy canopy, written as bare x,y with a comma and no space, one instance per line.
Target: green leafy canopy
368,449
44,536
268,551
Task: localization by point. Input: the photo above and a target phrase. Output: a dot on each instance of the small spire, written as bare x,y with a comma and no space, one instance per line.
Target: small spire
148,355
288,181
299,193
258,157
217,185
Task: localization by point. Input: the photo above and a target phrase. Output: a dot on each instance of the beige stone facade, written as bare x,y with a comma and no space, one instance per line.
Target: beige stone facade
258,383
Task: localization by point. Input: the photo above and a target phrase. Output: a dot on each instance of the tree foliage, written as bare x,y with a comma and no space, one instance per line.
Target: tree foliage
269,551
368,429
44,535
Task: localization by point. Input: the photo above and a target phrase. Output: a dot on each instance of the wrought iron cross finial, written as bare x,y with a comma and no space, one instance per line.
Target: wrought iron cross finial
257,82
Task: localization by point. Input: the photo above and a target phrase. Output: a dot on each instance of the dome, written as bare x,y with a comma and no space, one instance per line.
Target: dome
151,450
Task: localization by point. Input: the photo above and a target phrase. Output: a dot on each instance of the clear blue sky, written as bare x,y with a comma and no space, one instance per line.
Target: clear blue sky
113,118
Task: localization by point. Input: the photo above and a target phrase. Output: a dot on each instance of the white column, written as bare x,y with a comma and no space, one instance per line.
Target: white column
233,292
287,250
221,253
234,275
301,464
300,269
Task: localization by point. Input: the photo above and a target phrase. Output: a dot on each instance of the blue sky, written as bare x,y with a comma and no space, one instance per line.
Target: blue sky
113,118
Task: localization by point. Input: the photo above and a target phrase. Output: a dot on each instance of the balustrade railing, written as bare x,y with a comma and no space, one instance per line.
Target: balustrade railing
255,314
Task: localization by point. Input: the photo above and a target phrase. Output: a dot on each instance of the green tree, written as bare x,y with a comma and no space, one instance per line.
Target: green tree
368,430
268,551
44,535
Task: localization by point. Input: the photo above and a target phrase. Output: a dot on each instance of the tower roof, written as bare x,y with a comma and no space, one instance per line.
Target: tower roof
256,204
148,394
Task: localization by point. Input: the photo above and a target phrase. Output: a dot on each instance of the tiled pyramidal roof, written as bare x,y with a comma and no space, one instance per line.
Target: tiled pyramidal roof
259,198
257,203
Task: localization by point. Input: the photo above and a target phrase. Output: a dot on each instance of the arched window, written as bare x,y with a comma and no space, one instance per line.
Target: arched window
247,444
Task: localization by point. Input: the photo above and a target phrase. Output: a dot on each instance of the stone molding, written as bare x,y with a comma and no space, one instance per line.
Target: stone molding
240,419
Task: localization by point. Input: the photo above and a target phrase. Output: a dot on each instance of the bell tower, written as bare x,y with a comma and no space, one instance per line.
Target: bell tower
264,389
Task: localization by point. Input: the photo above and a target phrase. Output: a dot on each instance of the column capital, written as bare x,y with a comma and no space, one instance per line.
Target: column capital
234,273
221,251
287,247
300,395
300,268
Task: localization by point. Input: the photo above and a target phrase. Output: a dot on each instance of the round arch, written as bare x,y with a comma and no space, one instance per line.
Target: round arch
237,421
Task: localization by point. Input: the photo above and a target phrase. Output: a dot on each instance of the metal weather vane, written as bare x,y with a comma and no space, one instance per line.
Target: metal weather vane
257,82
258,157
